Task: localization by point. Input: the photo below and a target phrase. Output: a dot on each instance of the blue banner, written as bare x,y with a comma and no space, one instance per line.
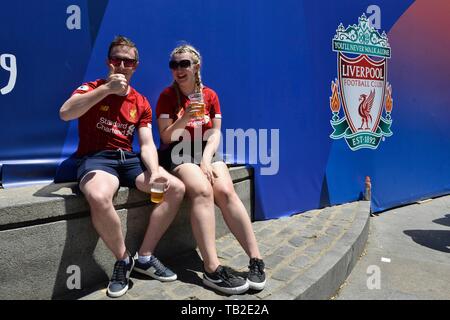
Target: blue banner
316,96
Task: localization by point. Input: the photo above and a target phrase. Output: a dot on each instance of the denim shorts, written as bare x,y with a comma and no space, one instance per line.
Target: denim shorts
126,166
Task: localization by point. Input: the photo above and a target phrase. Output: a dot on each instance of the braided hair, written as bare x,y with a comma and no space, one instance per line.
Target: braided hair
196,59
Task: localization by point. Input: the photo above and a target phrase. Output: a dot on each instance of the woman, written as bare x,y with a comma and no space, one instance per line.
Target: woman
209,181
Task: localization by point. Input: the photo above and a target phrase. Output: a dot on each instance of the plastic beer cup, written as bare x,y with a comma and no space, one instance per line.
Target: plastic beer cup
157,192
196,100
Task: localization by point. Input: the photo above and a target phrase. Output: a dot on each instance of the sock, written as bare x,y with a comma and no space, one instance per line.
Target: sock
127,260
144,259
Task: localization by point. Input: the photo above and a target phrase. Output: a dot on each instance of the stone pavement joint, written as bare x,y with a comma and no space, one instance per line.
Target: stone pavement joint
307,256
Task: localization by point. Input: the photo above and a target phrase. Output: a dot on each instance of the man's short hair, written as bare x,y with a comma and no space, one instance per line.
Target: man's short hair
123,41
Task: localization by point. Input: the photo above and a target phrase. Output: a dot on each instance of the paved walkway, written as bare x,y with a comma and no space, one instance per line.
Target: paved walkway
407,255
307,256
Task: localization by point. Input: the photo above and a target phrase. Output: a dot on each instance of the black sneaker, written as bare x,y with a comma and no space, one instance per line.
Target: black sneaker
118,285
223,281
256,275
155,269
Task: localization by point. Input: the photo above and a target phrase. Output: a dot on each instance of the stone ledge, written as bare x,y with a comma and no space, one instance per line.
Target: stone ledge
28,205
44,230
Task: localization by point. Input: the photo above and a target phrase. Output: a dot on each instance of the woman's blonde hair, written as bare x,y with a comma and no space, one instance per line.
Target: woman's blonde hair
196,59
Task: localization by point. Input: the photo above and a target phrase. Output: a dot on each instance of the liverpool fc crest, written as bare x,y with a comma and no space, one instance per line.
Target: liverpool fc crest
361,88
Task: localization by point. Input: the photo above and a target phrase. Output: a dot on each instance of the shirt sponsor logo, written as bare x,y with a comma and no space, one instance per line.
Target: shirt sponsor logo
115,127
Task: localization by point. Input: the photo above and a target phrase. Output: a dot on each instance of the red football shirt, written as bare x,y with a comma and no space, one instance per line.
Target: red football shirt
111,123
167,107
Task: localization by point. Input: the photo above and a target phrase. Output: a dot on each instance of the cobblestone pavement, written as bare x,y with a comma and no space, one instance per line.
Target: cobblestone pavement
293,248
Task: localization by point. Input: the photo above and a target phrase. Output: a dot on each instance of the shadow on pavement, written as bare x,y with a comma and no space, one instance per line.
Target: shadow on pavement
189,270
185,266
443,221
434,239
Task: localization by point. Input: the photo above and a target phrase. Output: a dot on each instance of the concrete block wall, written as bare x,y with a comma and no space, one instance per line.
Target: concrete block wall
46,229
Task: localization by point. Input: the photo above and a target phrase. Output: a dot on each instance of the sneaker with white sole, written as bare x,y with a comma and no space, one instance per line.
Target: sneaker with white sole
118,285
256,276
224,281
155,269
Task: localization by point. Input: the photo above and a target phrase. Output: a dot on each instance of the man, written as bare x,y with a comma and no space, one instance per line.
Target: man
109,112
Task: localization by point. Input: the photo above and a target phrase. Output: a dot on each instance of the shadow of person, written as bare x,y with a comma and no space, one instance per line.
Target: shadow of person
176,245
59,190
75,253
67,169
434,239
65,183
79,247
176,248
86,248
188,267
443,221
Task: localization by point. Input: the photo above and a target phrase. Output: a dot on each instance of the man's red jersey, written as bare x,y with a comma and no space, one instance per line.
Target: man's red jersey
111,123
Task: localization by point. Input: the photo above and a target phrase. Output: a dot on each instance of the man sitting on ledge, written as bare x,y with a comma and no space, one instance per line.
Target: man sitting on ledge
108,112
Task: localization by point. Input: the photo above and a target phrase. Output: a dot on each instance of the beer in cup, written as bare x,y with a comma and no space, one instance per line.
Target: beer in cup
196,100
157,192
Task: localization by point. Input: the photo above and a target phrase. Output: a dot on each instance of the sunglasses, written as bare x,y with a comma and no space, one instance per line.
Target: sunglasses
127,63
182,64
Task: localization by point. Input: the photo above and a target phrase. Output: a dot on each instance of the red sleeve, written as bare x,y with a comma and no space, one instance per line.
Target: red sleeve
146,118
166,106
88,86
215,107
